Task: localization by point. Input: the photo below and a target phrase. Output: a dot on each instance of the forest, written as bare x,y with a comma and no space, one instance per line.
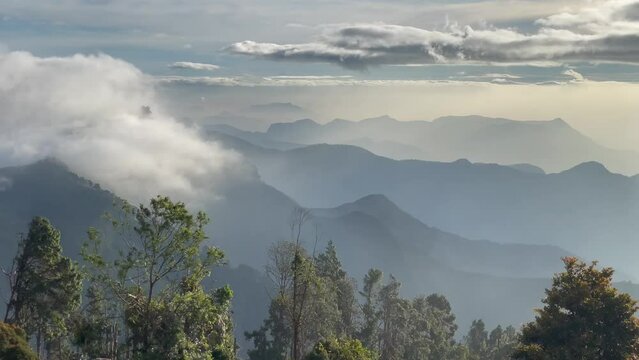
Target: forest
140,291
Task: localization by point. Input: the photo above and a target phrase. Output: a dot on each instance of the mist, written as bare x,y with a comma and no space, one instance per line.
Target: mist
101,117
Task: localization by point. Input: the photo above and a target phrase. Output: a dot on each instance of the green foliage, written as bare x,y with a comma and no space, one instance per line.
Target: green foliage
399,328
93,333
272,340
498,345
368,333
583,317
477,339
340,349
389,325
13,344
431,328
394,315
329,268
155,288
45,287
305,308
502,342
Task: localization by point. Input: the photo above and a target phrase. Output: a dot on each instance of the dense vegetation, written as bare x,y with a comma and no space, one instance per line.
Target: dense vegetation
149,302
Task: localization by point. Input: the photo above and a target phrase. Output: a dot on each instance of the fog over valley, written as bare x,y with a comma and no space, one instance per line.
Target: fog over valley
362,180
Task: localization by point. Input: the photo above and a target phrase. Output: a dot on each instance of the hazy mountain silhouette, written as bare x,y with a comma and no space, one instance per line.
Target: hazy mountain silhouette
552,145
586,209
378,225
257,117
481,278
48,188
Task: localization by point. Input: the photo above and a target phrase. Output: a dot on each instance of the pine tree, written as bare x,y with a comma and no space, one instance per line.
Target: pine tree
477,339
45,287
369,331
329,268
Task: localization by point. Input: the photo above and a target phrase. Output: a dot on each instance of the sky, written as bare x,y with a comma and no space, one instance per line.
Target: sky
413,60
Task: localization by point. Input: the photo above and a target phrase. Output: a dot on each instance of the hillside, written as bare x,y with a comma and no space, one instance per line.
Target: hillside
586,209
370,232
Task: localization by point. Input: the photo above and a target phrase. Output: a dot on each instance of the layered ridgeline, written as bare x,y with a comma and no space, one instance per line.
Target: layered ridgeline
586,210
499,283
552,145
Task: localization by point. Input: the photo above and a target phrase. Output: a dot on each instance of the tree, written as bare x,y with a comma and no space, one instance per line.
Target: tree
303,275
477,339
501,343
394,315
583,317
272,341
411,329
369,332
329,268
156,283
94,332
13,343
45,287
304,309
340,349
431,329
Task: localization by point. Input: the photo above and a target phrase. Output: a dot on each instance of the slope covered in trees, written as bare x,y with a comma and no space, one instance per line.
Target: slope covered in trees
253,215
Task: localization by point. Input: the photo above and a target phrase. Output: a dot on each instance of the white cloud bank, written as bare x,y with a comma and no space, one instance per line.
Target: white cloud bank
606,32
88,112
193,66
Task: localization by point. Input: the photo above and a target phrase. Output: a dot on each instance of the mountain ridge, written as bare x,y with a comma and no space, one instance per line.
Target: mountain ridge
364,230
553,145
583,210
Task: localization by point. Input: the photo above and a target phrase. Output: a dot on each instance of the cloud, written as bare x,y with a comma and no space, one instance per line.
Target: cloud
193,66
576,76
607,33
292,81
100,116
504,76
495,77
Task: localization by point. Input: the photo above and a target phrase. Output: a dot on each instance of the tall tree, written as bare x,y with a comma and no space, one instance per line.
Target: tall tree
95,334
502,342
303,275
272,341
477,339
584,317
329,267
394,315
156,282
303,310
434,323
45,287
369,331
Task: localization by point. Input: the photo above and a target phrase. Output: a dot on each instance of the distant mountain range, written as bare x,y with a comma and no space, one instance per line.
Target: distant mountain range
551,145
586,209
257,117
487,236
500,283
